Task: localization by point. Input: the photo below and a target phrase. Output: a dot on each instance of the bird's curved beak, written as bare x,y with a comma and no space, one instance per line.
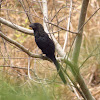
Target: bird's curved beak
30,25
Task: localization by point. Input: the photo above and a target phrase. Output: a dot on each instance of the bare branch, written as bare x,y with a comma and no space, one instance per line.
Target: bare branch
26,12
17,27
68,26
62,28
88,20
22,47
14,67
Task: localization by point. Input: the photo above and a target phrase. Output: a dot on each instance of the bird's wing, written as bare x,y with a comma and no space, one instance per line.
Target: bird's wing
46,45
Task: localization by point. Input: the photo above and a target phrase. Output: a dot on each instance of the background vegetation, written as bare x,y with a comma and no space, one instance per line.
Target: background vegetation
14,80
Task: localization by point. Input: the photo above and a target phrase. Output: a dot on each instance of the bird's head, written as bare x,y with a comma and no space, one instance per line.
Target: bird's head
36,26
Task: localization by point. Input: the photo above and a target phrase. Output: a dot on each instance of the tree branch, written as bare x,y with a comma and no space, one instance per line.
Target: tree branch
14,67
62,28
17,27
22,47
76,52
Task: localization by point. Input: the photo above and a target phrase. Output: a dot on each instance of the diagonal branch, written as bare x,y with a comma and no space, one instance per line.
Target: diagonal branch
62,28
22,47
88,19
17,27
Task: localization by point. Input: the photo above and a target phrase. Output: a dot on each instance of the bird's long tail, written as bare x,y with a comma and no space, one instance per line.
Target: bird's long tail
59,70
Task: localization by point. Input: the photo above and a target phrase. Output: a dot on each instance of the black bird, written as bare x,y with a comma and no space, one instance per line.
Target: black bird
46,45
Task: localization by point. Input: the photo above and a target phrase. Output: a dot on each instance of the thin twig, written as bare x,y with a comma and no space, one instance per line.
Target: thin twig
29,68
90,55
26,12
15,67
62,28
88,19
68,26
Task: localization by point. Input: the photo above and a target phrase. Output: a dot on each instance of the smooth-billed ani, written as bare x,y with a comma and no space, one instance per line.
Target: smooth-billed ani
46,45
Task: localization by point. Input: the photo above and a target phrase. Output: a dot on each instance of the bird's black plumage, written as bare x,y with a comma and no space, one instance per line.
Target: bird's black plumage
46,45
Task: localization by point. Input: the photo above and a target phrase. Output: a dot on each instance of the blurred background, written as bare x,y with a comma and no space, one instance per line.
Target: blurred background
14,80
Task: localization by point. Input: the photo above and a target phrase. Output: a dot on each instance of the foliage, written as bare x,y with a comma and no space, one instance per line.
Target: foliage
10,91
